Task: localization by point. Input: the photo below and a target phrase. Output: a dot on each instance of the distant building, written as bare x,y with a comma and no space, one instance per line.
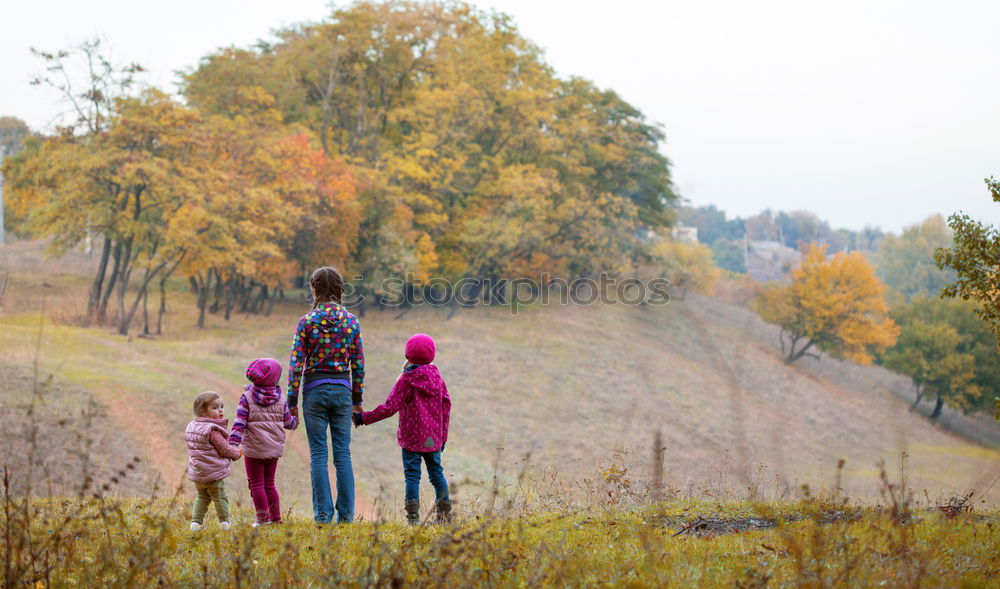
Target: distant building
770,260
685,234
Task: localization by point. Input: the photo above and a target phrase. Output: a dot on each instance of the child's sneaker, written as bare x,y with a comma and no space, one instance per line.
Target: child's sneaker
225,525
195,526
258,524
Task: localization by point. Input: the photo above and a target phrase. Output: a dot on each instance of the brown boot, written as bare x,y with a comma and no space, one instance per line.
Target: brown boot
413,511
443,511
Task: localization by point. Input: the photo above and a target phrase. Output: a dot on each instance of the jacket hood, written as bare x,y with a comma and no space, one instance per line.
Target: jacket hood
425,379
263,396
220,422
327,317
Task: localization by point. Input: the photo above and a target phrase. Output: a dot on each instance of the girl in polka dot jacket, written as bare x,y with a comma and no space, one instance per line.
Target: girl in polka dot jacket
421,399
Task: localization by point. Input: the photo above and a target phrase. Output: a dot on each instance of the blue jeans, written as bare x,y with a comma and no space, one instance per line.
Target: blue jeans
330,405
411,473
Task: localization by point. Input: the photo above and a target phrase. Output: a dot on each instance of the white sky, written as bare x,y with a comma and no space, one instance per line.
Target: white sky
863,111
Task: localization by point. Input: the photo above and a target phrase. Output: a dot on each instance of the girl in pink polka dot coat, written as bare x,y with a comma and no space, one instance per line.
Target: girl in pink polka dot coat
421,399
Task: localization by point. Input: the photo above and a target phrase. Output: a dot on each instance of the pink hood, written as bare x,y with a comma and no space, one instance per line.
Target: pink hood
421,398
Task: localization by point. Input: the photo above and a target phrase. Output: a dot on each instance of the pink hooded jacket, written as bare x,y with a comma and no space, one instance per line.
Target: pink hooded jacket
421,398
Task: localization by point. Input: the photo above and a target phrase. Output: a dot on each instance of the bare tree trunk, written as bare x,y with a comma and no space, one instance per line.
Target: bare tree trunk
219,285
920,395
145,311
270,302
102,308
163,292
203,288
163,305
94,300
126,273
793,355
937,408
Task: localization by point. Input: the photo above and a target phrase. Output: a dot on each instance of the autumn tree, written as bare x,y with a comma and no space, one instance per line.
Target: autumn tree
240,204
975,258
837,305
480,160
13,132
906,263
947,351
928,353
122,183
688,266
89,84
273,204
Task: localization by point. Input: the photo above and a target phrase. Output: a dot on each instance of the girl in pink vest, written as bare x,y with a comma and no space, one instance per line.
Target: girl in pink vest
421,398
208,459
262,417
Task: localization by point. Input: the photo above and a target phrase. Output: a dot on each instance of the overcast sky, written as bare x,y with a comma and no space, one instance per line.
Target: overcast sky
863,111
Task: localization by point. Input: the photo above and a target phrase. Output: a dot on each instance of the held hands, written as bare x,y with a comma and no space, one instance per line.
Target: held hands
294,411
357,419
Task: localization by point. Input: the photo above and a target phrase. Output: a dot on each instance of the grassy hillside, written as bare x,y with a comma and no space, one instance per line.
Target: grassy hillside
565,399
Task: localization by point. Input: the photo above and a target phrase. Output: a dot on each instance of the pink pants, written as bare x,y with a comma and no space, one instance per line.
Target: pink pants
260,478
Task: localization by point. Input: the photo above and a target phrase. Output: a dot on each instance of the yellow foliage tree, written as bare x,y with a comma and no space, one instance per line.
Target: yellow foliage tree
837,305
688,266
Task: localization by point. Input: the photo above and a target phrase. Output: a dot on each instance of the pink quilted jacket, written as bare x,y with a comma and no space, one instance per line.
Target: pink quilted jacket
205,464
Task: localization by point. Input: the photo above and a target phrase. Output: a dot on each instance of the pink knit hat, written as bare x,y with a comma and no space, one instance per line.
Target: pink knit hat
420,349
264,372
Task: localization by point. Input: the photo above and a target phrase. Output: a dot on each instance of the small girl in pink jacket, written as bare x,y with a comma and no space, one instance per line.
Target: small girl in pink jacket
421,398
208,459
262,417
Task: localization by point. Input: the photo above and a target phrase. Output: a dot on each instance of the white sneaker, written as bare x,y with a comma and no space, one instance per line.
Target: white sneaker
225,525
258,524
195,526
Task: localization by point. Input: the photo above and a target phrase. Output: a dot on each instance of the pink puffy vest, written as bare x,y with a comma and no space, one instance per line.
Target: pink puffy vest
264,437
204,463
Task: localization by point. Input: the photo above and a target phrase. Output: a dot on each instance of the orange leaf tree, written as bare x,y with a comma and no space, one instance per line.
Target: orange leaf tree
836,305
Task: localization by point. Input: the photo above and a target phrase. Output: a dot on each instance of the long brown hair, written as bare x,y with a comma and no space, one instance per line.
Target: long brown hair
327,285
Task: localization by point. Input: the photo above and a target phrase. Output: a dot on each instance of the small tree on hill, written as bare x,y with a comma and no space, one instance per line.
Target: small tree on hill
688,266
837,305
929,354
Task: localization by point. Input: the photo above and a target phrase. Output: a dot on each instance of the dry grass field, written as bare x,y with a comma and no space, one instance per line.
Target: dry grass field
562,396
590,446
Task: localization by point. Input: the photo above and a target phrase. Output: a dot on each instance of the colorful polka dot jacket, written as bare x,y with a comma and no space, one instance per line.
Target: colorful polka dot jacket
421,398
327,339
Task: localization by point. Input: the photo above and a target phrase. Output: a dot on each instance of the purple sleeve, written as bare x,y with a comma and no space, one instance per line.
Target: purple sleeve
357,366
296,362
240,423
390,407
